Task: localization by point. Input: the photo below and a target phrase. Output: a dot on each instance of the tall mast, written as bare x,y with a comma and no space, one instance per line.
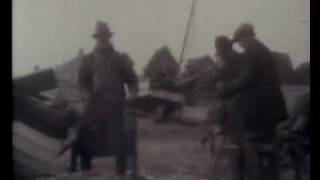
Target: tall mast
186,34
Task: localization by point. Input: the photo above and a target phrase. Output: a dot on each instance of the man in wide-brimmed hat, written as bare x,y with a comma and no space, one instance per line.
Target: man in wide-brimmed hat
259,103
103,75
102,29
102,34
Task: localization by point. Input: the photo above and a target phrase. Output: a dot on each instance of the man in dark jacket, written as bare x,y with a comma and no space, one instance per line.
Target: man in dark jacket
227,69
258,103
103,75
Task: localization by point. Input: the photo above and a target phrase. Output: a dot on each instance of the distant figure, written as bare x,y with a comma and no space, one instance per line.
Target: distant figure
102,76
258,104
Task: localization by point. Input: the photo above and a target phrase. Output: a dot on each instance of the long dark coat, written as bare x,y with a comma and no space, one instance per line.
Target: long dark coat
104,74
258,100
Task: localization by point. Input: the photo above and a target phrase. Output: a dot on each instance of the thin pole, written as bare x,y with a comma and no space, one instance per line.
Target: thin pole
186,34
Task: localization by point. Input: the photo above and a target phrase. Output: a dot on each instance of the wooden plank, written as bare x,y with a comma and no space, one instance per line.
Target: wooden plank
26,164
197,114
149,99
153,98
34,143
21,129
34,150
162,94
144,91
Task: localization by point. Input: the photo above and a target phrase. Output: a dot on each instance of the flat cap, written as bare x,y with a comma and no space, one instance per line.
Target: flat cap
244,30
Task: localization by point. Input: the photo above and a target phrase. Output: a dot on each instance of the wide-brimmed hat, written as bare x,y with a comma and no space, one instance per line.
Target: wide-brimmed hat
102,29
244,30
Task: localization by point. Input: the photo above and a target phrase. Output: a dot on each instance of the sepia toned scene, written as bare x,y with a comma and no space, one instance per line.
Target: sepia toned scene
161,90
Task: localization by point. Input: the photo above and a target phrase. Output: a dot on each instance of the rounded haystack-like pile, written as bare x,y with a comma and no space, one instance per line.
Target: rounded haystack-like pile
161,69
201,87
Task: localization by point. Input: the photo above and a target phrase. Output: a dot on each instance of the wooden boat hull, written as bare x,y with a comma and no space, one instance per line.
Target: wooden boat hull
34,153
149,99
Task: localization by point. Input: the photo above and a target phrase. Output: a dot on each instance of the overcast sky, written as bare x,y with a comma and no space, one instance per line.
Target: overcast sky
50,32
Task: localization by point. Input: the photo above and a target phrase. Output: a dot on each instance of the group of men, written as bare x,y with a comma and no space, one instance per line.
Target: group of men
253,105
247,83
